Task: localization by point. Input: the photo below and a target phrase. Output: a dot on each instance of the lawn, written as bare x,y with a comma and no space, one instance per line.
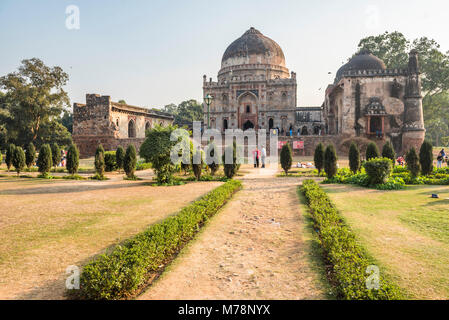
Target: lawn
48,225
406,232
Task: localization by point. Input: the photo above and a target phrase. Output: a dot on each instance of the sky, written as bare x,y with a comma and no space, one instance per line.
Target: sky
153,53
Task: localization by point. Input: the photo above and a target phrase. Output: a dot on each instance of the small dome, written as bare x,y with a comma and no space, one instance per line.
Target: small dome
253,48
363,60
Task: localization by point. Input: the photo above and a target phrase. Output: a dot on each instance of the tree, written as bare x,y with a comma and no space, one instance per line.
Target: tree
330,161
73,161
18,159
99,161
30,155
372,152
67,120
319,157
55,154
426,158
214,164
388,152
119,157
354,158
130,161
412,160
286,158
197,167
186,112
156,149
9,155
44,160
122,101
230,168
33,102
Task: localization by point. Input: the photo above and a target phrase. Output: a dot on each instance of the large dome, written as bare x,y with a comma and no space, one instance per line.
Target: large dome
363,60
253,48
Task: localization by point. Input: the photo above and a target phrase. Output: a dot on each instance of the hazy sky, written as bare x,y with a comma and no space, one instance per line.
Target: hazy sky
152,53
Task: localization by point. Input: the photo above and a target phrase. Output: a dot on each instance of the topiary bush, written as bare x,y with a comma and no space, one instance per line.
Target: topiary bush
412,160
130,162
354,158
55,154
44,160
73,161
330,161
230,169
372,152
9,155
18,159
378,170
197,168
110,161
426,158
286,158
99,162
30,155
388,152
318,157
214,164
120,157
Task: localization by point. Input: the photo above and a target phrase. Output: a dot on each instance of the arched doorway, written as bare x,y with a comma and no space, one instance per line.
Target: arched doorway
271,124
147,126
316,130
248,125
131,129
304,131
225,124
375,126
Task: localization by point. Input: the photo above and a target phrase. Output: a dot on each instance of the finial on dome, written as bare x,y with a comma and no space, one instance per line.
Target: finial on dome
253,30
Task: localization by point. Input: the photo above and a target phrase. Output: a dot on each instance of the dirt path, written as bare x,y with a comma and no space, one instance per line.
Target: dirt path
255,248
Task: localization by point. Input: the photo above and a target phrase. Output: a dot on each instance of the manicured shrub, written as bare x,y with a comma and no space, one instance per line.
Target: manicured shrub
354,158
18,159
119,273
55,154
330,161
426,158
110,161
30,155
130,161
378,170
9,155
230,169
99,162
318,157
197,168
214,165
412,160
73,161
286,158
343,253
120,157
44,160
372,152
388,152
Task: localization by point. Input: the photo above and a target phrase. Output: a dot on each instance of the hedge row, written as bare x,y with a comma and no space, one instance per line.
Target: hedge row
347,259
120,273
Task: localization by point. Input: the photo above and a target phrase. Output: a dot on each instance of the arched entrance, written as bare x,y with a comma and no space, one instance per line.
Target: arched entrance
304,131
147,126
225,124
131,129
271,124
248,125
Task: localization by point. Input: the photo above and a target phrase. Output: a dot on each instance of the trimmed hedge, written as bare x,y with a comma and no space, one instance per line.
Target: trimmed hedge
378,170
110,161
347,259
121,272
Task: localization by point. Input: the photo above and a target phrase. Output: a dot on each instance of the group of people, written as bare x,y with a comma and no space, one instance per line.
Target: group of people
259,156
441,158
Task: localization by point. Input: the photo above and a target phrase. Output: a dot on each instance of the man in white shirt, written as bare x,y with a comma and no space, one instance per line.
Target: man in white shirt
264,155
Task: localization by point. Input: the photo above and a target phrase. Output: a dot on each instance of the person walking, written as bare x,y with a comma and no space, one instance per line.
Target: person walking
256,158
440,159
264,156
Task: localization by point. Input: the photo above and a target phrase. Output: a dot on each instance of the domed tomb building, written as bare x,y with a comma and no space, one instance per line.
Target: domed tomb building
254,90
368,100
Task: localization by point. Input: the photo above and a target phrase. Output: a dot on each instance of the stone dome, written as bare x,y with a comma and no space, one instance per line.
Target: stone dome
253,48
363,60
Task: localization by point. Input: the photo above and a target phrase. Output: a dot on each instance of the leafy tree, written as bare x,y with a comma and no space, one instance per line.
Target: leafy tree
426,158
18,159
120,157
372,152
44,160
388,152
67,120
156,149
122,101
30,155
130,161
186,112
354,158
99,161
73,159
9,155
33,102
55,154
412,160
319,157
330,161
286,158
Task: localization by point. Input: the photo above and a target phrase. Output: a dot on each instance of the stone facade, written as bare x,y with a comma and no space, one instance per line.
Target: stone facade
112,124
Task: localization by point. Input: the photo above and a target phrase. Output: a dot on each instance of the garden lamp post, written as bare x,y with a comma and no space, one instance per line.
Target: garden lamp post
208,101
